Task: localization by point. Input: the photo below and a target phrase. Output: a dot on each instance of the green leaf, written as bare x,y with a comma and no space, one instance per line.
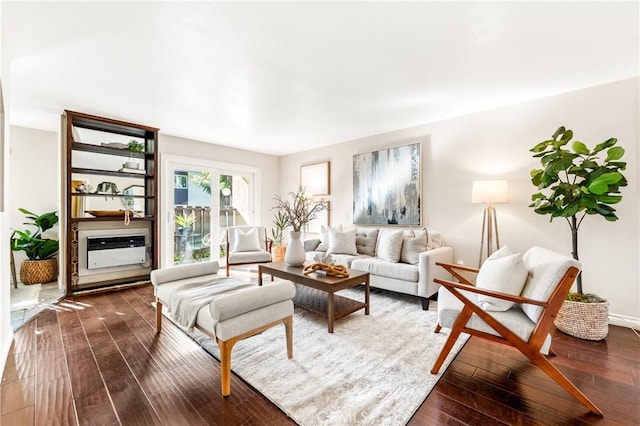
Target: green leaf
558,132
618,164
567,136
614,153
604,145
601,184
610,199
580,148
541,146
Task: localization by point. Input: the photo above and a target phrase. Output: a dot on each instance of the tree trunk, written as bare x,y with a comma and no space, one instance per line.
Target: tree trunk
574,249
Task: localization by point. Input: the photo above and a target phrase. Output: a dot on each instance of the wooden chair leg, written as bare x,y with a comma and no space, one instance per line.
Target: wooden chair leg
455,332
288,325
227,269
225,364
438,328
158,315
545,365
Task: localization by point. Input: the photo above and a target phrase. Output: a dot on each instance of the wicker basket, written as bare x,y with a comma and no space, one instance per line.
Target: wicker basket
588,321
278,253
38,271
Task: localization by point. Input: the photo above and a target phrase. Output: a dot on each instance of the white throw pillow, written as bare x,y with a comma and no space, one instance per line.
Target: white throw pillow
435,240
503,271
246,241
324,237
342,242
390,245
415,242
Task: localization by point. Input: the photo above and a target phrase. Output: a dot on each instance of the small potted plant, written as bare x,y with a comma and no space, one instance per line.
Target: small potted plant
577,183
277,236
298,212
40,265
185,222
135,146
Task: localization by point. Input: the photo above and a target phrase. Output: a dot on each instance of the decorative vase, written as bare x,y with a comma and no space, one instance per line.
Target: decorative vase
38,271
295,255
588,321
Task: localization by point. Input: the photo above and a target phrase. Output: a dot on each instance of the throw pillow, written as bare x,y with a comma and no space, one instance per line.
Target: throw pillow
246,241
342,242
435,240
390,245
366,241
413,244
503,271
324,237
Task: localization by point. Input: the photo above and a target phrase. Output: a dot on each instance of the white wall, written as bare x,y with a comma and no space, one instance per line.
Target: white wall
495,144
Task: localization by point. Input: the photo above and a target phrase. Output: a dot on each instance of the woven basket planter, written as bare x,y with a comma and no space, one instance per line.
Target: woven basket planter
38,271
588,321
278,253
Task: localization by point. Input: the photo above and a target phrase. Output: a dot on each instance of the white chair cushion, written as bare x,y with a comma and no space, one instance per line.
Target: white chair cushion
505,272
390,245
342,242
414,243
249,257
246,240
449,307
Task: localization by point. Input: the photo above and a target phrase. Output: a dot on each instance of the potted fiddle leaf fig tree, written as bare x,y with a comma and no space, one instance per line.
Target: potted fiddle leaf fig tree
574,182
40,265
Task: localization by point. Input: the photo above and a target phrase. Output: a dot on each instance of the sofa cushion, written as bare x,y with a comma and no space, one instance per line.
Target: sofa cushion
414,243
324,237
505,272
435,240
383,268
390,245
342,242
366,239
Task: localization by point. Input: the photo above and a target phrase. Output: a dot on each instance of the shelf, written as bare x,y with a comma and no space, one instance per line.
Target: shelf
82,194
109,173
99,163
98,149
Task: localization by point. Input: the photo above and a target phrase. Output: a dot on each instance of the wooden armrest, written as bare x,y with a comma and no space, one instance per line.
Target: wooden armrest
453,270
448,266
496,294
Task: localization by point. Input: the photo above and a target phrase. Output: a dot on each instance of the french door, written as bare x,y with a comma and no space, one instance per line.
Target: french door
200,199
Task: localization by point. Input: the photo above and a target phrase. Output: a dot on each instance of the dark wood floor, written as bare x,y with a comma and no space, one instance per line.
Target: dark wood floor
97,360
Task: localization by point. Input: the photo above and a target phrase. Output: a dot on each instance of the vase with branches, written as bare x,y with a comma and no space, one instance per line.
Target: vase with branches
297,212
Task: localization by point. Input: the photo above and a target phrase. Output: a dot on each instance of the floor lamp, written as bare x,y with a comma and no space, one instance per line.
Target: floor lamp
489,191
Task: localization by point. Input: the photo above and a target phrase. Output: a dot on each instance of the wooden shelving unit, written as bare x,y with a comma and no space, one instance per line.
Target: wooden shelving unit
88,165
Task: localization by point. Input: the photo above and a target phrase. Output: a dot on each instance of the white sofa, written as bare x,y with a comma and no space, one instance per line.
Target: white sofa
375,250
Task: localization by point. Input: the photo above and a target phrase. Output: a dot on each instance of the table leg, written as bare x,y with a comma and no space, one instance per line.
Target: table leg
330,310
260,275
366,296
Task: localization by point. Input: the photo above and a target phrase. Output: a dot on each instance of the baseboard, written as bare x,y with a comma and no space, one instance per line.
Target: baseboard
624,321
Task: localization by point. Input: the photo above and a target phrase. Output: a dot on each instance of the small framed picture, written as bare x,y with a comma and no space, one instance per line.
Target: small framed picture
314,178
322,219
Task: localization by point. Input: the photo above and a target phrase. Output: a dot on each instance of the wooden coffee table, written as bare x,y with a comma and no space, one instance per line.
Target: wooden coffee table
316,293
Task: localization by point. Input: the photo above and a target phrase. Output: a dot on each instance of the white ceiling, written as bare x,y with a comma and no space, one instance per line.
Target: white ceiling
286,77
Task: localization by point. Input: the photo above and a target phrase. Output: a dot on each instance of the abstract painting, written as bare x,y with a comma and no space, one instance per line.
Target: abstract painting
386,186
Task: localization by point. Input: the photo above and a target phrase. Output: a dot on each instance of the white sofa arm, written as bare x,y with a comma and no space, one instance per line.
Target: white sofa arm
246,300
428,270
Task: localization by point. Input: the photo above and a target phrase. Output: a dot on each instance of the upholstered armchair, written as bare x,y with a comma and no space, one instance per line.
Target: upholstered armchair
513,301
247,245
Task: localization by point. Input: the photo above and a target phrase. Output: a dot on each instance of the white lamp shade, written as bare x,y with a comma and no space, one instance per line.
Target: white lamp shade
490,191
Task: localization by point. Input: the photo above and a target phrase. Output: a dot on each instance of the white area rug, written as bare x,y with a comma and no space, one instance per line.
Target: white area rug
372,370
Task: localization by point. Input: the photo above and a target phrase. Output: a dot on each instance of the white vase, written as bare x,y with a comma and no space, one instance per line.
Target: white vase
294,255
